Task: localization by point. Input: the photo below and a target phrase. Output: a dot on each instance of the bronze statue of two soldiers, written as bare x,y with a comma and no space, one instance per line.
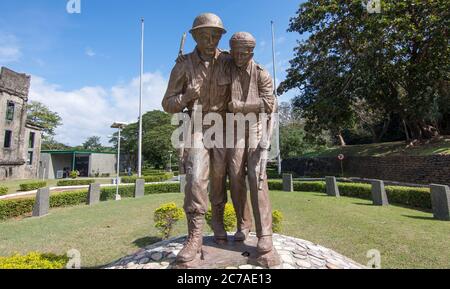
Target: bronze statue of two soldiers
207,81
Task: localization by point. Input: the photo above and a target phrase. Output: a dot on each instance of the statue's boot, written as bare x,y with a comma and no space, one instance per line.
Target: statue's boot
218,225
241,235
194,242
265,244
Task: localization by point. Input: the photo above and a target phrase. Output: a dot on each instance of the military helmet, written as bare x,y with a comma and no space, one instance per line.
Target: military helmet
208,20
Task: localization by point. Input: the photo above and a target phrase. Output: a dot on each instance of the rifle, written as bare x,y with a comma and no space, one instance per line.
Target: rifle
265,145
182,144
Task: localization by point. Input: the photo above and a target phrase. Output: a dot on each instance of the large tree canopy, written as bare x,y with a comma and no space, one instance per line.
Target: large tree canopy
357,67
156,144
41,115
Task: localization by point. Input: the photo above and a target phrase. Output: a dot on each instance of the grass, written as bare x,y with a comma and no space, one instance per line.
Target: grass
436,147
103,233
14,185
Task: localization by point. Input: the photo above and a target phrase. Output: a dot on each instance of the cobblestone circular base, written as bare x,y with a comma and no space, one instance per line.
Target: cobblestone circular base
294,254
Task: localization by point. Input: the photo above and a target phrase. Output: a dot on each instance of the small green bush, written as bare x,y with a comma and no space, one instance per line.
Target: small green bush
229,218
34,260
3,190
165,217
149,179
73,174
66,183
277,219
414,197
32,186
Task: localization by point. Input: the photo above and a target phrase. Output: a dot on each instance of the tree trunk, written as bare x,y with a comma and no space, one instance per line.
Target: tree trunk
386,124
407,135
341,140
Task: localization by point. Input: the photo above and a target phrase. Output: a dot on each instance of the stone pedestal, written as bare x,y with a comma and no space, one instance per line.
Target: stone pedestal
288,183
139,189
332,187
293,254
94,194
42,203
440,199
232,254
379,195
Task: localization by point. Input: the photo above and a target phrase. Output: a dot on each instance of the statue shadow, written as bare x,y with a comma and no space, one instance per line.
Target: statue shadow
146,241
422,218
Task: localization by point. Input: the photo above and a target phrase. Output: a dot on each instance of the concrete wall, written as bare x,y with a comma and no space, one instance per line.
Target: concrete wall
59,162
103,163
408,169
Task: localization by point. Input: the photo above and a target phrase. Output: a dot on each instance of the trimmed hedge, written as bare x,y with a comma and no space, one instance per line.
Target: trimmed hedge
66,183
149,179
20,207
409,196
32,186
3,190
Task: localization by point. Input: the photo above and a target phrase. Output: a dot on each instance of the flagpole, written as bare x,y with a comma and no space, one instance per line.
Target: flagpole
140,99
275,93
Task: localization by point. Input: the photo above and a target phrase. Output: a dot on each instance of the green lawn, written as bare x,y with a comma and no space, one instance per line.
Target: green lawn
14,186
405,237
439,147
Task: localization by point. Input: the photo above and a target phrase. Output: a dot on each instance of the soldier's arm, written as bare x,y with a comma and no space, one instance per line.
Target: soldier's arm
265,87
176,100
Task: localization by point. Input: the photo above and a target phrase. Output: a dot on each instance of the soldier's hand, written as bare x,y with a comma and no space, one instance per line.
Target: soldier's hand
192,92
236,106
180,58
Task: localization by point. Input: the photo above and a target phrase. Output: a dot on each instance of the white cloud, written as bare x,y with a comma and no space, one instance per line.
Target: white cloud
89,52
90,111
9,48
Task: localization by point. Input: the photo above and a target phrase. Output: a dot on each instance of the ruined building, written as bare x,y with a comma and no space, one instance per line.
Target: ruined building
20,140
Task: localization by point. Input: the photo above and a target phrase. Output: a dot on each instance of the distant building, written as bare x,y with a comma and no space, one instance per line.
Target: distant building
20,140
59,164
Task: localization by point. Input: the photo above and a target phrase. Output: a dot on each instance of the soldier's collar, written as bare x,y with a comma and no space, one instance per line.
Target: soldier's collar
198,59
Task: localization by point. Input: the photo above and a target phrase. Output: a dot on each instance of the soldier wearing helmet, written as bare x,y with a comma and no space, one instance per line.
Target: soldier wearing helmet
197,81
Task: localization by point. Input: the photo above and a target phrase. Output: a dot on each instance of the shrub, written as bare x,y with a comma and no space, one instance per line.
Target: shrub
166,217
414,197
65,183
32,186
15,208
3,190
362,191
277,219
149,179
34,260
73,174
68,199
229,218
106,175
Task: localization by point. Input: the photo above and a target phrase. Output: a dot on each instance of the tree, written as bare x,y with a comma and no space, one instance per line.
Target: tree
93,144
156,144
41,115
393,63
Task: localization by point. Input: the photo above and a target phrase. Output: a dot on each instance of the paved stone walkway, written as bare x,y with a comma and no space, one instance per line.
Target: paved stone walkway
294,253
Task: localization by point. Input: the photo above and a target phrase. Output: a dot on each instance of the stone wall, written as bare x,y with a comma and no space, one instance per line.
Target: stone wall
407,169
14,89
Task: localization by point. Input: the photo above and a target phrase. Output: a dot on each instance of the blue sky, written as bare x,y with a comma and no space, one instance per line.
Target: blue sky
86,66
